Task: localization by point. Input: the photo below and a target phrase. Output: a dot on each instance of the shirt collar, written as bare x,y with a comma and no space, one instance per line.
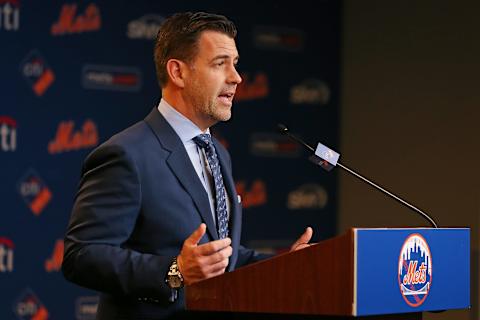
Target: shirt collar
183,126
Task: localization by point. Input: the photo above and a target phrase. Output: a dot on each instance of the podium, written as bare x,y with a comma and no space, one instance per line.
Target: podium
389,272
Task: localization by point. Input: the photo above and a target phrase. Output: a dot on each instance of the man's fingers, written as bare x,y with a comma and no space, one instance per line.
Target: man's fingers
196,235
304,238
217,273
219,266
212,247
218,256
197,262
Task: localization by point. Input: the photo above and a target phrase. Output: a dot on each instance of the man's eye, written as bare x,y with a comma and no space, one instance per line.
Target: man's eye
220,63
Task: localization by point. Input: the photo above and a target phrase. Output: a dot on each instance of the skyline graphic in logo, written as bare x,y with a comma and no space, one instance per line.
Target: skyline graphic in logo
115,78
71,22
8,134
6,255
66,139
54,263
37,72
34,192
145,27
29,307
415,270
9,15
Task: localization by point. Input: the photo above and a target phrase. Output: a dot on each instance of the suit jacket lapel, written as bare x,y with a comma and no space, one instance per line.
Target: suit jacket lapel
181,165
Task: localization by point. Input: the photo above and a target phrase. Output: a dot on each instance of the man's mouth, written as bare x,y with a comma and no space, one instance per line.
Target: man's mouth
227,97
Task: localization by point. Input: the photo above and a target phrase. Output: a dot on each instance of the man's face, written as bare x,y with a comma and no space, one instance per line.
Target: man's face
212,79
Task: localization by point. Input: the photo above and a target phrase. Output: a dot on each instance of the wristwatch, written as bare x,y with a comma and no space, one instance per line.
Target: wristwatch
174,279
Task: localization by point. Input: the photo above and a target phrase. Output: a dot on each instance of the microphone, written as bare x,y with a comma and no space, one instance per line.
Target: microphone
328,159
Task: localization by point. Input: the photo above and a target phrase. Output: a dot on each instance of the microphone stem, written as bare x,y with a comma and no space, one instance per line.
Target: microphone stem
299,141
426,216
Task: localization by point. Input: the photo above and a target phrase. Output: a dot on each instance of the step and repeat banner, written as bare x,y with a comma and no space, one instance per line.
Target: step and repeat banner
74,73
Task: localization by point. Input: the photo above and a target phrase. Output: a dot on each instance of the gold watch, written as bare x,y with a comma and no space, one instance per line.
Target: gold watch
174,278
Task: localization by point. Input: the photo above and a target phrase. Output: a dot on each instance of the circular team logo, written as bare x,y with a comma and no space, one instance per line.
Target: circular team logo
415,270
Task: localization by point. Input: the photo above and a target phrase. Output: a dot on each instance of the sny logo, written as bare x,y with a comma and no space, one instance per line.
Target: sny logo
145,27
9,15
29,307
8,134
415,270
6,255
37,72
68,23
66,139
307,196
310,91
34,192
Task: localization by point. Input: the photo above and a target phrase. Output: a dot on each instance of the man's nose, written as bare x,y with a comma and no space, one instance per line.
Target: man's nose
234,76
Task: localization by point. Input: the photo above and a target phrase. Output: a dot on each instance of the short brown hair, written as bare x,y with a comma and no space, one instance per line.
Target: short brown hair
178,38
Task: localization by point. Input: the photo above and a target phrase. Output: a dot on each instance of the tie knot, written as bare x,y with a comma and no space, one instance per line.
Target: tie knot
203,140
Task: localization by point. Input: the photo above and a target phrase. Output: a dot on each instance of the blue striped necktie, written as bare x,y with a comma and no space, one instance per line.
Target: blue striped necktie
205,142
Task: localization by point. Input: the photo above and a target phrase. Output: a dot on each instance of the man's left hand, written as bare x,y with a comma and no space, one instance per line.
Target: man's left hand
302,242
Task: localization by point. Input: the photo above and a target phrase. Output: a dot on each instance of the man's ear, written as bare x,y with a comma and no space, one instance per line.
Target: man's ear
177,71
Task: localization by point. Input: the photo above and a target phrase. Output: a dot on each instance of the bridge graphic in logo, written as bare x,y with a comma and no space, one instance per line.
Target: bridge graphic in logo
415,270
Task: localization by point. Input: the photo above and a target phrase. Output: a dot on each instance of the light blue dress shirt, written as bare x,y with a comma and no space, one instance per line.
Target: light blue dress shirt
187,130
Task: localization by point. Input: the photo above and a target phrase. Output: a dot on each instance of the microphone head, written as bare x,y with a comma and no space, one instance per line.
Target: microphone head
282,128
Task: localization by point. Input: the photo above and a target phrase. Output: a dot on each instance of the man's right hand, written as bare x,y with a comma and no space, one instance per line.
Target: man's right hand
198,262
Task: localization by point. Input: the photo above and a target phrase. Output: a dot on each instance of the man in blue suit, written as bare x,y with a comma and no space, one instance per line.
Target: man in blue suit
156,207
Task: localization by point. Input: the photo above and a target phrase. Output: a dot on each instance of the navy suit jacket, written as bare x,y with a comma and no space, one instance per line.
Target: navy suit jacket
139,198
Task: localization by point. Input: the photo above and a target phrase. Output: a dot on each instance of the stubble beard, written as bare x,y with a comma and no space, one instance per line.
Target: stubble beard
209,108
218,113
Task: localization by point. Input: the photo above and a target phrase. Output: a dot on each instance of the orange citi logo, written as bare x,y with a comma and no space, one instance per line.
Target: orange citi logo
67,139
255,196
69,22
252,89
54,263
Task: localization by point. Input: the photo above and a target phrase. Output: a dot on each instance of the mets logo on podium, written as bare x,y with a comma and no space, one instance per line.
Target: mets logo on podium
415,270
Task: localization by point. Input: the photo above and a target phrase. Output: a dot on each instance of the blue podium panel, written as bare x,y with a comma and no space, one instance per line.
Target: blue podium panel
411,270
